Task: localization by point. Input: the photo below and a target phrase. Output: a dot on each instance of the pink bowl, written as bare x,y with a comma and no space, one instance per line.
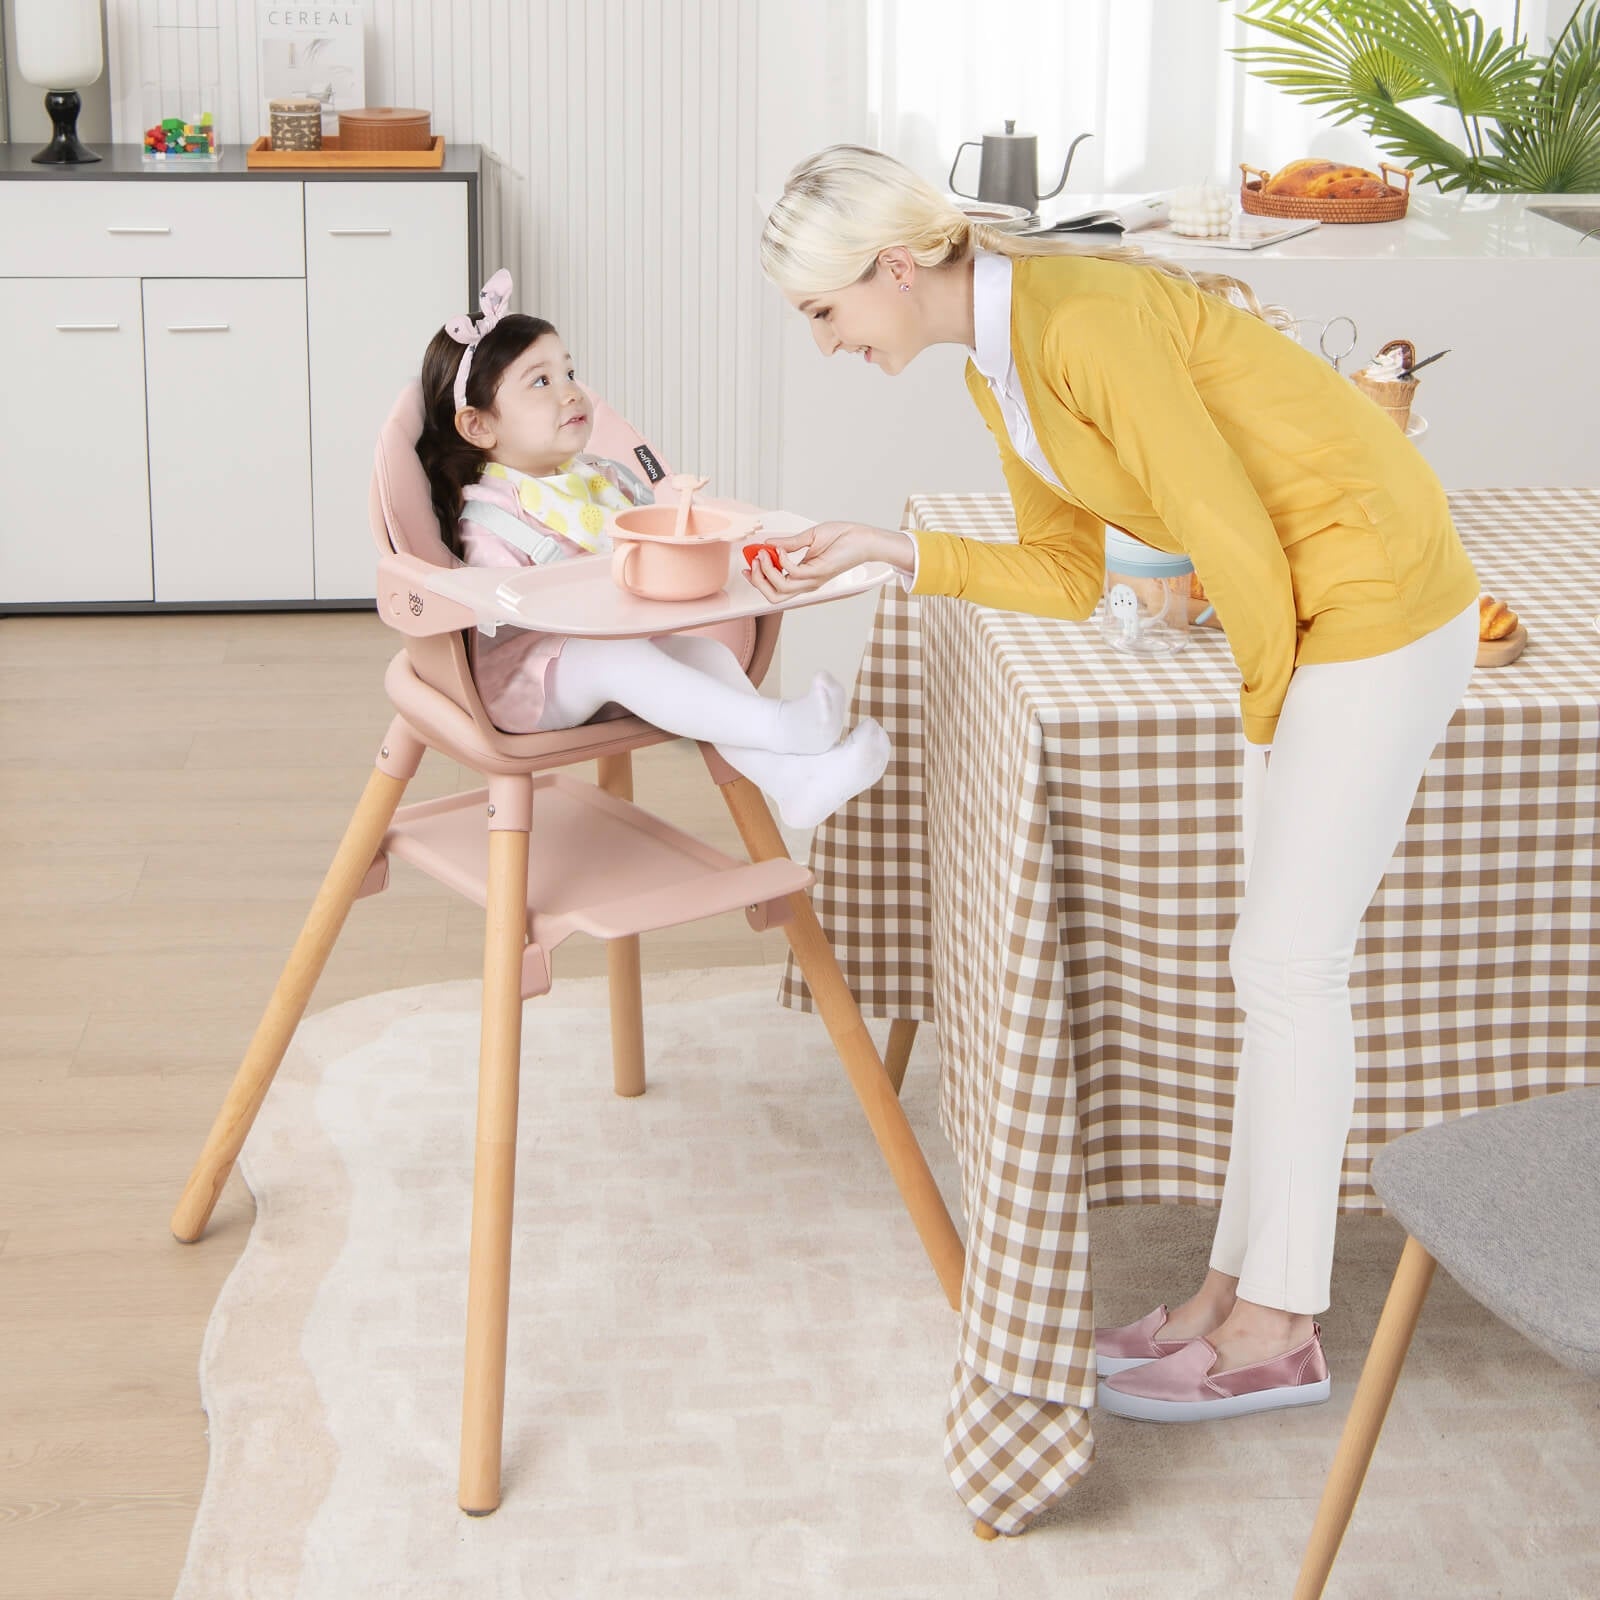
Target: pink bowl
648,561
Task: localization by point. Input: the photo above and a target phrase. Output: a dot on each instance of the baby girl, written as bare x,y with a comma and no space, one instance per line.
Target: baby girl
503,435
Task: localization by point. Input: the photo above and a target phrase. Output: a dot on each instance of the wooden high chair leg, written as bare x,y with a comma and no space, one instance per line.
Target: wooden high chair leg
902,1035
398,760
495,1161
615,774
1367,1411
885,1115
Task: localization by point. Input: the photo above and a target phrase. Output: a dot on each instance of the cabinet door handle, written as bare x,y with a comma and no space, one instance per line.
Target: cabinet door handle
359,233
161,229
87,327
197,327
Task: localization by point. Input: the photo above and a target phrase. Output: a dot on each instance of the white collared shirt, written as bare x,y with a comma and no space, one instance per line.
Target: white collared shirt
991,323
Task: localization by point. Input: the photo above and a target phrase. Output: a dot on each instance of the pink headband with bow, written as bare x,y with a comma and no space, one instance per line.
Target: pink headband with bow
494,297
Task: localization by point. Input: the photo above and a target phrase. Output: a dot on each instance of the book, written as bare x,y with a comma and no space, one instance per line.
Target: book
1151,212
311,52
1248,232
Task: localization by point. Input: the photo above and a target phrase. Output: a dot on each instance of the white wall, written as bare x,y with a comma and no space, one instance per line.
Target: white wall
626,140
621,142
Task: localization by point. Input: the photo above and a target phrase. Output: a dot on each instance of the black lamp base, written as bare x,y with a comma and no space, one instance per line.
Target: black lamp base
64,150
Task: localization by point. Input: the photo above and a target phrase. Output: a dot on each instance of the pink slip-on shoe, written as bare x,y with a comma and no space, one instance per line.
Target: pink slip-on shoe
1134,1344
1182,1387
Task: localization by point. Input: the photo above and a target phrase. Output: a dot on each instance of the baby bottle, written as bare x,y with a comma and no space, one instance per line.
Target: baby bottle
1145,610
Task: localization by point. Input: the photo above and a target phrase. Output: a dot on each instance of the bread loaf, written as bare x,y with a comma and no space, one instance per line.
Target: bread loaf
1313,179
1369,188
1293,178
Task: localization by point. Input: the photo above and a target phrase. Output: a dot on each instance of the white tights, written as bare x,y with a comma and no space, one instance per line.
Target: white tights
1322,818
694,687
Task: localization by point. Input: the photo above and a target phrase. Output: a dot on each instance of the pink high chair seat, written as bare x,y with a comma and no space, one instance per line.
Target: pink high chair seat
604,867
401,513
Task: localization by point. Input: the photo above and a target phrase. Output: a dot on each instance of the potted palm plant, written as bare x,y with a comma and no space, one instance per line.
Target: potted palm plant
1530,122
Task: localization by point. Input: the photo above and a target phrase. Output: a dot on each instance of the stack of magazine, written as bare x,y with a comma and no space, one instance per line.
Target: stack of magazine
1149,219
311,53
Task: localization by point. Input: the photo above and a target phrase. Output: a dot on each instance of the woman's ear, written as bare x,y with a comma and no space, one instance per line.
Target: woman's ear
897,262
474,426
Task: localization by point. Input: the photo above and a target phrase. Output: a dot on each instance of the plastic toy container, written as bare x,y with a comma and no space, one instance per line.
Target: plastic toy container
1145,606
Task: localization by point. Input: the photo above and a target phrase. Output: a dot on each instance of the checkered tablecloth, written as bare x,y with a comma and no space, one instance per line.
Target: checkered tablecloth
1050,872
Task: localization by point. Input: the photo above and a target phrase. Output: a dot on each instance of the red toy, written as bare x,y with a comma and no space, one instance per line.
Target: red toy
751,551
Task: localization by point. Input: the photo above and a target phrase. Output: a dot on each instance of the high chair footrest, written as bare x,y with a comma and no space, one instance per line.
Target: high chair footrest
733,890
596,864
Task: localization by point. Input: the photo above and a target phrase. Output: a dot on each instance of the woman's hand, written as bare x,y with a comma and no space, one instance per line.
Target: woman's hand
831,548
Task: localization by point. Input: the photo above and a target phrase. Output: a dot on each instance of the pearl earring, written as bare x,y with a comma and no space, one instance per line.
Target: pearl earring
905,288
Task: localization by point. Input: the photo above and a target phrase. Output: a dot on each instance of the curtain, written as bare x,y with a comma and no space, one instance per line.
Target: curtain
1152,80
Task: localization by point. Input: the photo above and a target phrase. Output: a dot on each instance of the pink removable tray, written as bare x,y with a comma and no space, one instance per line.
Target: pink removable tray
579,597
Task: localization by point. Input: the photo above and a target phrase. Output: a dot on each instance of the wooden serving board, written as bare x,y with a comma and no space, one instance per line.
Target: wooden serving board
332,156
1497,652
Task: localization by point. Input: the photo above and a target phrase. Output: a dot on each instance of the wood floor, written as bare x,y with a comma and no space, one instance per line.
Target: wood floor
171,791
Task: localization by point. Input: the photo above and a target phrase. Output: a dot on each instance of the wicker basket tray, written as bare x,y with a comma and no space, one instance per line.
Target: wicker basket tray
1389,208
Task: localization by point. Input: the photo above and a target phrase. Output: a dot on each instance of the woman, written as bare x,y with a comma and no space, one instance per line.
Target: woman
1120,390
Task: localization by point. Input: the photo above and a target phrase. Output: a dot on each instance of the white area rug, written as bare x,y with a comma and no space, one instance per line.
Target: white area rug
729,1358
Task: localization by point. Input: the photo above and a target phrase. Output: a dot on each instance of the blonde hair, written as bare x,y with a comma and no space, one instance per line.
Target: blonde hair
841,207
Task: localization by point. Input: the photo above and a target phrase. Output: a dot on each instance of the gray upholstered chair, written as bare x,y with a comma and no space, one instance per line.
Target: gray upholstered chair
1508,1202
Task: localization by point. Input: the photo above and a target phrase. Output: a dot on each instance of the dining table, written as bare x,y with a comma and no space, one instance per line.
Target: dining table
1048,876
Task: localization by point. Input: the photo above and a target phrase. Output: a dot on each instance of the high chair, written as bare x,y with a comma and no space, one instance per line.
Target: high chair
599,865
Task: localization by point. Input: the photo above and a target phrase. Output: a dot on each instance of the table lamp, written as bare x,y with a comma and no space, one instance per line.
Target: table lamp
58,43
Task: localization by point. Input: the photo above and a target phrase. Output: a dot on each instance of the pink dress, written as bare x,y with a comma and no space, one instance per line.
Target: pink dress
510,667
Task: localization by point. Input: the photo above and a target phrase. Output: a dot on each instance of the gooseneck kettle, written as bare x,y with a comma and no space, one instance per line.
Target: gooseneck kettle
1008,169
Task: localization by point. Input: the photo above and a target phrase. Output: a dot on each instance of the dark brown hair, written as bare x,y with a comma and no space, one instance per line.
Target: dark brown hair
449,460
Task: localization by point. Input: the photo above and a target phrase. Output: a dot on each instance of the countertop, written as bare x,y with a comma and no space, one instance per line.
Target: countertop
1436,227
126,162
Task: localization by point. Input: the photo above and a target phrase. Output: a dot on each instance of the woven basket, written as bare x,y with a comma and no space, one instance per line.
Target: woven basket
385,128
1389,208
1393,394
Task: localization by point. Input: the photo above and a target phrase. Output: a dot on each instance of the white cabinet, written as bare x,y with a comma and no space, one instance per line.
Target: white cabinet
74,500
384,268
201,363
194,226
230,473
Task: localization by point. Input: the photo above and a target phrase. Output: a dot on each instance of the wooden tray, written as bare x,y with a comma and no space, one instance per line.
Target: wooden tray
1497,652
1390,208
331,156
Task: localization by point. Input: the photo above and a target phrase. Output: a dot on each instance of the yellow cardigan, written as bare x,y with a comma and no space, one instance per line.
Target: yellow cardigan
1318,530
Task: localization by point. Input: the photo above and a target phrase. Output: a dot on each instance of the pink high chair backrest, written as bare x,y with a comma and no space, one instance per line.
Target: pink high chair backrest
400,507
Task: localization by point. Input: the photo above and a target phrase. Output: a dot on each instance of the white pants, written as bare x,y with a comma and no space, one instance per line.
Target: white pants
1323,815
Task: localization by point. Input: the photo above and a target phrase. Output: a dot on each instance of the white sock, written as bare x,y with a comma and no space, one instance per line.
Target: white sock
809,788
813,722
